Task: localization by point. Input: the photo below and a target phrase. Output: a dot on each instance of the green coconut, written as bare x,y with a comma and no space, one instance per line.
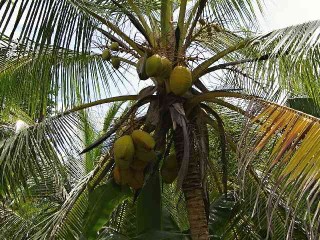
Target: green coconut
166,67
141,69
153,66
106,55
168,176
180,80
114,46
144,155
169,169
115,61
123,150
170,162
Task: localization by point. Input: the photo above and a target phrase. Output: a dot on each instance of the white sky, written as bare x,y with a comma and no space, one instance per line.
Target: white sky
283,13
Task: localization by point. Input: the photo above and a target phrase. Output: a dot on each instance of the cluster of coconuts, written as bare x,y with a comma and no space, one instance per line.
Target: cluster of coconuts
132,153
107,55
178,79
169,169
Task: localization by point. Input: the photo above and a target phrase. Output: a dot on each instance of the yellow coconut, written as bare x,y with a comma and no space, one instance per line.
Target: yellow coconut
114,46
168,176
137,179
138,164
166,67
142,139
180,80
145,155
123,151
126,176
153,66
115,61
141,69
106,55
117,175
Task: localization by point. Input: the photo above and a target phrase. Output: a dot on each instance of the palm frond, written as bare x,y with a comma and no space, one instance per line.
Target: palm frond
89,134
292,165
20,221
290,58
245,210
67,221
285,58
111,115
63,24
36,81
37,150
235,14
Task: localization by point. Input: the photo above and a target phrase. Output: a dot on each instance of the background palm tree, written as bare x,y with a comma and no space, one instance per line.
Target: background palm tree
51,52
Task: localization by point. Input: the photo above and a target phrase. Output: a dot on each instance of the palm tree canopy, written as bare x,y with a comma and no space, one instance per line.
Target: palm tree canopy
232,115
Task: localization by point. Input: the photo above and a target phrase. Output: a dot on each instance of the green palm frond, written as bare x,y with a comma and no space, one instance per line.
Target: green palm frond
286,57
35,81
89,135
238,79
6,130
236,14
291,58
111,115
67,221
37,150
63,24
44,147
20,220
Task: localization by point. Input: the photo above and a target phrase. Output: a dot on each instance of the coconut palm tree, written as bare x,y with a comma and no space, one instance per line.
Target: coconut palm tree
199,60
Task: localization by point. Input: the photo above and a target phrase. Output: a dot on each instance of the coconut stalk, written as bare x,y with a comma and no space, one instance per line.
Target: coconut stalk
166,17
181,25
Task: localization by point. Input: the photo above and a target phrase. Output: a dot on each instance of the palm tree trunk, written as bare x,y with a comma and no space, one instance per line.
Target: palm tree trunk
192,188
193,192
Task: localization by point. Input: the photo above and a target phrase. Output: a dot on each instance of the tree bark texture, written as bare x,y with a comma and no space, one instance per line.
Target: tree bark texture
193,192
193,189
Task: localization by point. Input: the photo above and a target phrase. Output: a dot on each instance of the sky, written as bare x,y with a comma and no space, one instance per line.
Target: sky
283,13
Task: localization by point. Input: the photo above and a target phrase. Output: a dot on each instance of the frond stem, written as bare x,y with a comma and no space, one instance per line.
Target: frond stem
118,31
115,39
101,101
166,12
229,64
143,21
202,68
210,96
125,117
223,145
201,6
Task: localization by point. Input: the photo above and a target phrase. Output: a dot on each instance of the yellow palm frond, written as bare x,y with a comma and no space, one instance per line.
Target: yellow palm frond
287,147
